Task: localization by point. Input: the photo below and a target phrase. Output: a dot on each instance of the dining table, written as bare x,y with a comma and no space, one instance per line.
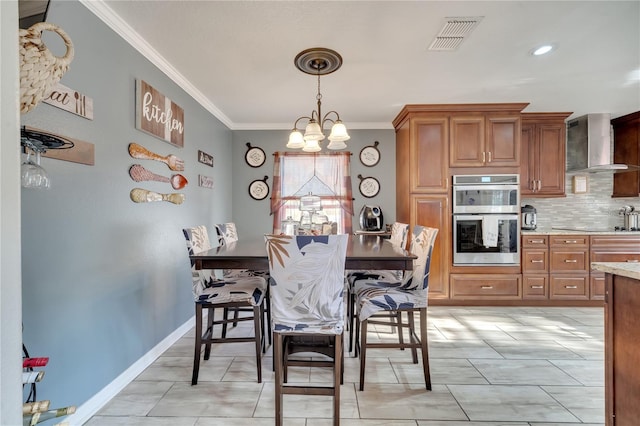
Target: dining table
364,252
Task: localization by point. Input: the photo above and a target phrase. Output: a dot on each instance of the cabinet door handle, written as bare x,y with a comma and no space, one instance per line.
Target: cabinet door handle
539,185
570,261
536,241
537,286
570,286
537,261
486,287
483,156
489,156
571,241
632,260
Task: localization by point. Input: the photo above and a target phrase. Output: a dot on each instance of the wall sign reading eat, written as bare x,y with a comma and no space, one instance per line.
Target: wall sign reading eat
158,115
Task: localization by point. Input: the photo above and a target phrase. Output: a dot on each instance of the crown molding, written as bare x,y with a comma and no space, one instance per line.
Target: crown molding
120,27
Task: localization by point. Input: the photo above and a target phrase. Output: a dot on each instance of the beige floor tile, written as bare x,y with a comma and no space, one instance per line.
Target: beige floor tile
461,349
247,421
439,423
586,403
533,349
361,422
136,399
407,401
509,403
140,421
216,399
448,371
522,372
181,368
586,372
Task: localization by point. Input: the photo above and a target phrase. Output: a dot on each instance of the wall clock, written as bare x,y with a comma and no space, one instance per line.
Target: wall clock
255,157
258,189
369,186
370,155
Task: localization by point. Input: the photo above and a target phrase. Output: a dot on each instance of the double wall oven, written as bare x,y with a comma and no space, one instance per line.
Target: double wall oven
486,216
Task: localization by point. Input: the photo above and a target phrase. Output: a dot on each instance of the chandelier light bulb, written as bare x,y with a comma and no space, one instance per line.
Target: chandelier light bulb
339,133
311,146
295,140
313,132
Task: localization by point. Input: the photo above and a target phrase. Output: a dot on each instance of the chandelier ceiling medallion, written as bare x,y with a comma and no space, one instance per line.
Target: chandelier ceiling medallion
318,61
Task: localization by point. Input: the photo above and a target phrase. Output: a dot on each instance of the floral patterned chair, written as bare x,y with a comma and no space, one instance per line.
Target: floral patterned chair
399,235
374,296
211,293
307,285
228,234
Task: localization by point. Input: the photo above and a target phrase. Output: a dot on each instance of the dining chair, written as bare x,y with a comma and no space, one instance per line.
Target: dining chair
398,238
210,293
409,295
307,286
228,234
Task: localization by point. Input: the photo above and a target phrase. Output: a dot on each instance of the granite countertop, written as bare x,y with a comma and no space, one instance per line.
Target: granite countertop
567,231
626,269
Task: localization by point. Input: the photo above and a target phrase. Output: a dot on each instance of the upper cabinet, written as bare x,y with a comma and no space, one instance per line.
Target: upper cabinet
626,150
486,136
543,154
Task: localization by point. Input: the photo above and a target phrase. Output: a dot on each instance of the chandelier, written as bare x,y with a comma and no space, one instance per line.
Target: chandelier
318,61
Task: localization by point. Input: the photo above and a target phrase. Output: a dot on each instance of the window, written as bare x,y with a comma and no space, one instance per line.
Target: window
326,175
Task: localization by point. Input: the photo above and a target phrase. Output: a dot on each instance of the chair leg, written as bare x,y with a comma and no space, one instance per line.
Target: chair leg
337,378
198,345
412,336
268,310
398,318
356,339
277,362
236,312
351,301
425,347
257,328
210,317
363,351
225,315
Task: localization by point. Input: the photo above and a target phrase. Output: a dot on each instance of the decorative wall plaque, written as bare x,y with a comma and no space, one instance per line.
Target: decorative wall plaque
205,158
258,189
255,157
70,100
369,186
205,181
370,155
158,115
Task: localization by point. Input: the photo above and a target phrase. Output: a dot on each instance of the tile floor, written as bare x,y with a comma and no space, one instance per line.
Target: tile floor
515,366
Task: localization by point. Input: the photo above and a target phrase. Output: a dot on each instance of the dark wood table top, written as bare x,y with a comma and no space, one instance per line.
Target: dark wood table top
363,252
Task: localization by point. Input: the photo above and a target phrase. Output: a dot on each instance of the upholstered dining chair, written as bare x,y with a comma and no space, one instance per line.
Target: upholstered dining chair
210,293
399,235
307,285
228,234
409,295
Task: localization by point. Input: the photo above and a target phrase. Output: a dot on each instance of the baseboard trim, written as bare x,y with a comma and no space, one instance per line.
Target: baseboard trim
100,399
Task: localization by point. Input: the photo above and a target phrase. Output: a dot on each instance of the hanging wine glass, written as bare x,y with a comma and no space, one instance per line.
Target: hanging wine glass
32,174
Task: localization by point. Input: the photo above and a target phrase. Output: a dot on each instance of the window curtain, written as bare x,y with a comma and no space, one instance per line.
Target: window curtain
326,175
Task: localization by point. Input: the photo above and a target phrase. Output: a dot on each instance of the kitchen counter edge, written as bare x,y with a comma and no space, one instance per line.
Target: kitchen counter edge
625,269
576,232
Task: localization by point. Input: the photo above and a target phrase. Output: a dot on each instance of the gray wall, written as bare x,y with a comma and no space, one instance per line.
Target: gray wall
252,217
106,279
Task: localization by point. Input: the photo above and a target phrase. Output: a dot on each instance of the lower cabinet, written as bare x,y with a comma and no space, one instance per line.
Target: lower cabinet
611,248
486,286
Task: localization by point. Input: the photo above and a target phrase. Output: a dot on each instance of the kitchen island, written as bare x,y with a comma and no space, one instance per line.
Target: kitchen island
622,342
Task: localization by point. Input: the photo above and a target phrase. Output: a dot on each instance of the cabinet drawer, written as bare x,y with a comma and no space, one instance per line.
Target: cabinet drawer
535,286
569,261
615,241
569,241
599,256
535,241
534,261
471,286
575,287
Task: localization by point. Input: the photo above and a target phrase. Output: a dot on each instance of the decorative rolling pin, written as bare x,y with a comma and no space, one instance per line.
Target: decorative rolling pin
139,174
140,195
138,151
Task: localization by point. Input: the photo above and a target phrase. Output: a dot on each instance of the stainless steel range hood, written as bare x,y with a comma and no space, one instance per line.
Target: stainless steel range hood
589,146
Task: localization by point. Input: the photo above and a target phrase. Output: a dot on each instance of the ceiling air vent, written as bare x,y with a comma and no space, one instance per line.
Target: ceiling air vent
454,31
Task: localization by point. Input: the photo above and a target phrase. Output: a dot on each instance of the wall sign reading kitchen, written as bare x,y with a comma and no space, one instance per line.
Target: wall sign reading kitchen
158,115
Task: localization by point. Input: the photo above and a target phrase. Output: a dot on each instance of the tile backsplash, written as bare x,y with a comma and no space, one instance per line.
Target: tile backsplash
592,210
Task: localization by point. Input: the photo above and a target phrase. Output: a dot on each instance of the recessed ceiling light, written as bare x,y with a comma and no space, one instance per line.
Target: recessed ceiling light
541,50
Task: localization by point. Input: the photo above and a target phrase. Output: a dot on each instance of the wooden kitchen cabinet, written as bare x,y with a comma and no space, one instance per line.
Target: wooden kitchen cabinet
535,267
569,267
611,248
543,154
488,138
626,150
485,286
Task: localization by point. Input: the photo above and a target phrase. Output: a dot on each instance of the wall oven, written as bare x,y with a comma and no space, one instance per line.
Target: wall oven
486,220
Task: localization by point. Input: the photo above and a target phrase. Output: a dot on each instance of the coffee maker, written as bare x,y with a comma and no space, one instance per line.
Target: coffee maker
371,218
528,218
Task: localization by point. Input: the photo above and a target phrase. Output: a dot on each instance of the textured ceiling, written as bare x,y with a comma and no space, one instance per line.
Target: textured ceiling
236,57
